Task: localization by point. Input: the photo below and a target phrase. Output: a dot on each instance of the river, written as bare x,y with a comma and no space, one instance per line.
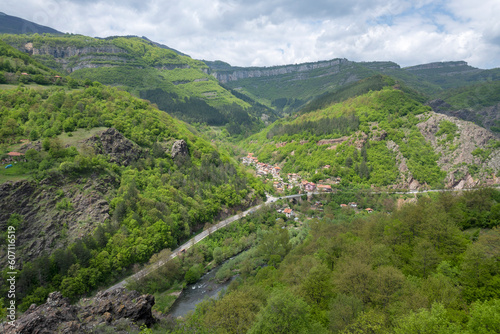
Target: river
206,287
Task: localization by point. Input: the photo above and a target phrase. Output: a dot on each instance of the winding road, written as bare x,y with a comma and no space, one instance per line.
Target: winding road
193,241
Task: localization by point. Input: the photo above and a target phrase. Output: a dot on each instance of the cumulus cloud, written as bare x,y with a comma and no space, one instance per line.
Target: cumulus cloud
274,32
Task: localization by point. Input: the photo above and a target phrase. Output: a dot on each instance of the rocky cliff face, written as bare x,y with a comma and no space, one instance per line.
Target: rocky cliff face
48,225
118,311
235,73
456,156
69,51
179,148
73,58
57,211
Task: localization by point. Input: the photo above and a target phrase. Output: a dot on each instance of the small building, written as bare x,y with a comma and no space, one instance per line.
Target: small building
353,204
369,210
343,205
15,154
276,171
288,212
325,188
310,186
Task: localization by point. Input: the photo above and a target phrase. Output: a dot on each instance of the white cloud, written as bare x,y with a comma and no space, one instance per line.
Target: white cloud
273,32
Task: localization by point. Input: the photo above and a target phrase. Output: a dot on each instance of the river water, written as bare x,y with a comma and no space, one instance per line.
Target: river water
206,287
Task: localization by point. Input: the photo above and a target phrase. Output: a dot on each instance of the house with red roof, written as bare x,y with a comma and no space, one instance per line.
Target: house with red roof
310,186
325,188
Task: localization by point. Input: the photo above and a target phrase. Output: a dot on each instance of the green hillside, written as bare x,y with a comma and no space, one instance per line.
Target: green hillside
450,75
146,70
288,88
291,90
481,95
355,134
17,67
156,199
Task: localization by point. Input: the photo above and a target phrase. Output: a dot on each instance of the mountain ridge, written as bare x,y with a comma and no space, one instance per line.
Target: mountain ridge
13,24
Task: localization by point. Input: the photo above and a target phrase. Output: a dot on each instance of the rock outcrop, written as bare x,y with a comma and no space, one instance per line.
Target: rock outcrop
179,148
456,155
88,56
487,117
106,309
112,143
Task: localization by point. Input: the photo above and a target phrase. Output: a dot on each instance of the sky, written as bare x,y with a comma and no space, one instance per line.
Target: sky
278,32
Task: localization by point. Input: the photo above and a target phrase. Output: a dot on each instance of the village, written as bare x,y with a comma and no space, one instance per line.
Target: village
295,181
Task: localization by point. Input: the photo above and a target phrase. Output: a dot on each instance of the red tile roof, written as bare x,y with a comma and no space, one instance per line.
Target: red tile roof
14,154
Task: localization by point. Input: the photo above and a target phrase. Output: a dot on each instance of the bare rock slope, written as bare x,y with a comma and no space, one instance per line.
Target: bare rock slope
118,310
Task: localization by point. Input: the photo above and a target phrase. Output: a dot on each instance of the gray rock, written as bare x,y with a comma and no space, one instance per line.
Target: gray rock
179,148
57,315
114,144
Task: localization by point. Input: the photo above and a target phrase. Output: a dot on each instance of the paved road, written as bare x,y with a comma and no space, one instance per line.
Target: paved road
194,241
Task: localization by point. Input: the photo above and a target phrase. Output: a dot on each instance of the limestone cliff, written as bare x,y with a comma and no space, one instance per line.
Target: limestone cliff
238,73
48,225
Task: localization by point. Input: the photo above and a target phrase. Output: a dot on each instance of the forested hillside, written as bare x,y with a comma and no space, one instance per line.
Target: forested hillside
158,180
177,83
381,138
424,268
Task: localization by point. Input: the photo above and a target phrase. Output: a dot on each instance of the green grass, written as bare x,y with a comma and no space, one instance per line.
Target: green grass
30,85
78,135
16,173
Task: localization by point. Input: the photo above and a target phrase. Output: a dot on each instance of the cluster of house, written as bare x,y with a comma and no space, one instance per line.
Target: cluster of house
354,205
294,180
13,157
262,168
